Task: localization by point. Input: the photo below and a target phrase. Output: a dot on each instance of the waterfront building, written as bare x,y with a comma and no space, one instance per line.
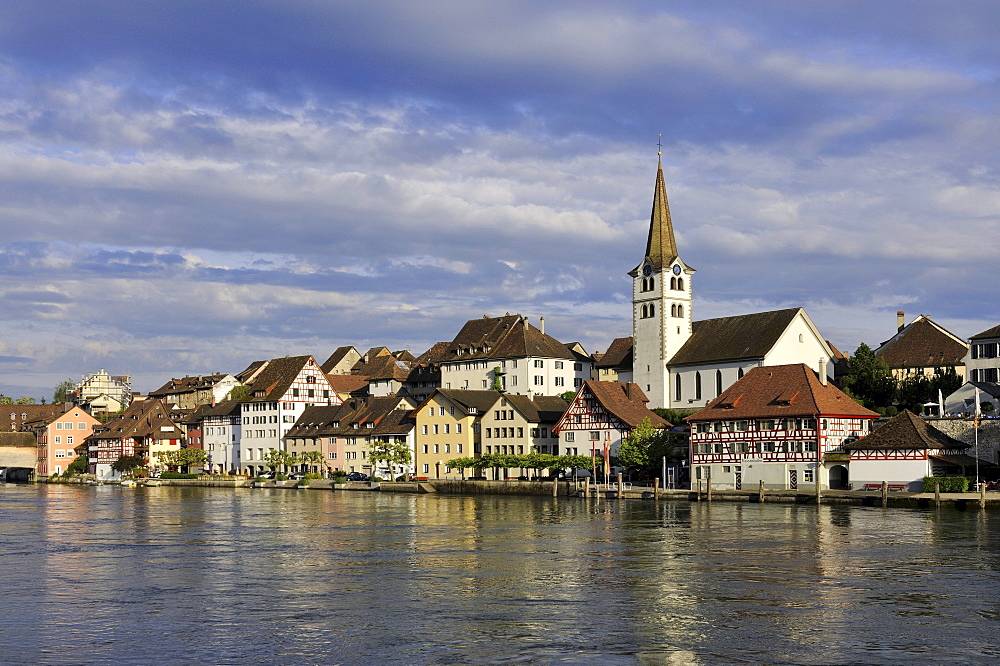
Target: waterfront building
221,430
58,435
344,435
905,450
143,430
341,361
510,354
682,363
447,427
982,363
279,391
600,416
519,424
15,417
784,425
923,348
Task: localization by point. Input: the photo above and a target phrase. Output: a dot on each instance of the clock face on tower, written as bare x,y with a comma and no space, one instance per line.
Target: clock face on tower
677,269
647,269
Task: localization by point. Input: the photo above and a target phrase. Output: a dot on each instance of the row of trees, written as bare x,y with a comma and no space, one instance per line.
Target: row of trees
870,382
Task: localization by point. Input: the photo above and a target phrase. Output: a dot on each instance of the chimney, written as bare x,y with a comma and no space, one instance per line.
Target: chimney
900,318
542,325
822,370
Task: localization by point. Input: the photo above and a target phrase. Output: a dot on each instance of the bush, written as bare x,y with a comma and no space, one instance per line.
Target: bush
281,477
375,479
313,475
340,478
178,475
304,482
948,484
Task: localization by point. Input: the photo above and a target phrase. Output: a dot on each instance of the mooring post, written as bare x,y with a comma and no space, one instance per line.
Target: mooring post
760,492
937,494
708,484
555,487
621,488
656,488
982,495
885,493
818,493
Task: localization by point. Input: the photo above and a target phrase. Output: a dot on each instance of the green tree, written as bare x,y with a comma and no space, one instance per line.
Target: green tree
645,446
312,458
24,401
182,457
870,381
5,400
567,396
63,391
393,453
128,465
240,393
78,466
275,458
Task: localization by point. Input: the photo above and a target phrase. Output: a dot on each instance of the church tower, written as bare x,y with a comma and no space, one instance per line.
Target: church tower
661,303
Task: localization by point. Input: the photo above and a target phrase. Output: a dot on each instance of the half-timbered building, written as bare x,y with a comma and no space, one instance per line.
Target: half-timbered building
782,425
903,451
600,416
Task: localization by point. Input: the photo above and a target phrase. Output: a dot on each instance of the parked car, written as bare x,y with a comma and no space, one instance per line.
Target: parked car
298,476
357,476
266,475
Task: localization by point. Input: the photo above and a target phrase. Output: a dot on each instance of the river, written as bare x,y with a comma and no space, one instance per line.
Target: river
219,576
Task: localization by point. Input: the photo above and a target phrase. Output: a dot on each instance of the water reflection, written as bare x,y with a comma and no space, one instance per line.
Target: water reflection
222,576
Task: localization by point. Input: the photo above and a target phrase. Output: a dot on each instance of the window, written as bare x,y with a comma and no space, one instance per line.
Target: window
697,386
58,439
570,436
807,475
69,440
718,382
560,381
435,428
437,448
539,380
425,448
432,411
520,432
423,429
485,384
60,453
447,428
595,436
718,447
578,366
295,393
458,428
539,363
447,448
677,387
426,468
458,448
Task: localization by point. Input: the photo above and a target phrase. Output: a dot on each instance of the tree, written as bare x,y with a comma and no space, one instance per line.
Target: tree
182,457
240,393
312,458
78,466
567,396
24,401
645,446
127,465
275,458
870,381
63,391
396,452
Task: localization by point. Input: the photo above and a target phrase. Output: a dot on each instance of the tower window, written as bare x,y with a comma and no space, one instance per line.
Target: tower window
673,283
697,386
680,284
680,310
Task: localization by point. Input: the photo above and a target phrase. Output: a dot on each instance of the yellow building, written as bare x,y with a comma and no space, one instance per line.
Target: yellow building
447,426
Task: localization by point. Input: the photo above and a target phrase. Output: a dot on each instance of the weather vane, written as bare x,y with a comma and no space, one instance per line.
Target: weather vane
659,145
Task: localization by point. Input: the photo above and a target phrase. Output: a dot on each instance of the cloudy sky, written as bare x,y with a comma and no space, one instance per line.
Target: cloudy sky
190,185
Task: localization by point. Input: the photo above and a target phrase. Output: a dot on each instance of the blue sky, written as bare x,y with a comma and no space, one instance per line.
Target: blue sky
188,186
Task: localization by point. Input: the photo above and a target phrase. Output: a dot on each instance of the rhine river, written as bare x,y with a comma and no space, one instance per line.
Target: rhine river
94,575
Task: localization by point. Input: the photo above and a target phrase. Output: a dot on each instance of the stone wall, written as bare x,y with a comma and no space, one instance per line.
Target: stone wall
963,430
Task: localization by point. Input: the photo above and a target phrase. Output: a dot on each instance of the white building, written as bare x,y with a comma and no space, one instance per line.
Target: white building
221,430
682,363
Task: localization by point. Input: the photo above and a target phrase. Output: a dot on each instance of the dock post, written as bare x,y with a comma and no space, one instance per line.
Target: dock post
818,493
937,494
555,487
708,485
621,489
760,492
656,488
982,495
885,493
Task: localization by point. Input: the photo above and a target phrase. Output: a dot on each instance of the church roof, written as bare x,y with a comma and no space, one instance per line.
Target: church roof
922,343
780,391
731,338
661,248
906,431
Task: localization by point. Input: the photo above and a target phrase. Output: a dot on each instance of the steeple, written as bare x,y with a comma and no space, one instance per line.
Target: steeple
661,248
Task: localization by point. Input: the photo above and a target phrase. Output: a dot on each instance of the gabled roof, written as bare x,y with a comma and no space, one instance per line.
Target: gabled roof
145,418
274,380
250,371
906,431
988,333
17,439
780,391
188,384
618,355
922,343
224,408
338,355
387,368
625,401
536,409
387,416
471,401
347,383
434,354
510,336
748,336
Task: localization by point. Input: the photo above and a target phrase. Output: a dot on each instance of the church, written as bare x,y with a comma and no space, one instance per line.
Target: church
684,364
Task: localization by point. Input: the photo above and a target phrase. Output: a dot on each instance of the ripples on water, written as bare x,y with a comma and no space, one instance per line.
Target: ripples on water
184,575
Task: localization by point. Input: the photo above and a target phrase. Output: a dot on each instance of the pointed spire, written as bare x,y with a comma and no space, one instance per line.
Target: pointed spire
661,248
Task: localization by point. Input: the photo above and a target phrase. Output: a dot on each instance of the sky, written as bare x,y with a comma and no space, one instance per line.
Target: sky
187,186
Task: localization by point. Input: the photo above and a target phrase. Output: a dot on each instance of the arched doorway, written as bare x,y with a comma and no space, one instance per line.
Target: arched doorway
838,478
